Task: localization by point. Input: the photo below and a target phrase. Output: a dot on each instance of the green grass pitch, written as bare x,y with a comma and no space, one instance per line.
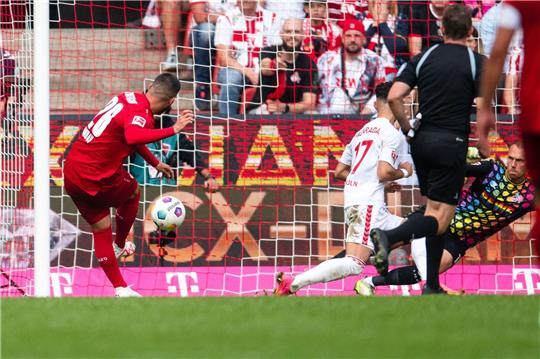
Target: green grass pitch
272,327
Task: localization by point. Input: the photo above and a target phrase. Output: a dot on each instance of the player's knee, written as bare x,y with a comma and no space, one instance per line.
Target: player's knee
356,265
447,261
136,193
102,224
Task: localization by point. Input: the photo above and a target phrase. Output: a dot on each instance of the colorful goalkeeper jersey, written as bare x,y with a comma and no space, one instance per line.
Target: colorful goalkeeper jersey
491,203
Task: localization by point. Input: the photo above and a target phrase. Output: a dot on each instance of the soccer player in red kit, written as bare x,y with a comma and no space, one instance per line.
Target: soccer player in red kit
516,14
94,176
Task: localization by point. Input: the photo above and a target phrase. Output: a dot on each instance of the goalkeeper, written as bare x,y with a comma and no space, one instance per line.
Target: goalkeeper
498,196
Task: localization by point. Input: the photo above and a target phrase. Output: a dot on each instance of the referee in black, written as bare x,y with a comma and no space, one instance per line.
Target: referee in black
447,76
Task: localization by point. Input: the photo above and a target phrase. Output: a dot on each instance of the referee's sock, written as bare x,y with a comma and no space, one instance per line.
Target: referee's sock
399,276
434,249
414,227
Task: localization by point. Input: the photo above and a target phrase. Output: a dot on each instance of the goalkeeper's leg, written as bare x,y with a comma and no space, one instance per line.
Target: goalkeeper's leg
408,275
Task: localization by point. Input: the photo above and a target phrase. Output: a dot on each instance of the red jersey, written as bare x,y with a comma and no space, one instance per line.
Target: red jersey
123,126
319,39
530,77
342,10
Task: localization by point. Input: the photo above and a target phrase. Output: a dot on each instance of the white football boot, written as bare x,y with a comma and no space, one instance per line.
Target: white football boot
125,292
129,249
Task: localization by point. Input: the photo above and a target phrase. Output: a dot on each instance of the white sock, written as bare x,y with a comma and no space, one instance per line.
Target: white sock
328,271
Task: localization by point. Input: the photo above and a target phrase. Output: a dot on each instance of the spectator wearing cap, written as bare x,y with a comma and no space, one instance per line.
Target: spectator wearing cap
320,35
240,35
386,33
288,76
348,77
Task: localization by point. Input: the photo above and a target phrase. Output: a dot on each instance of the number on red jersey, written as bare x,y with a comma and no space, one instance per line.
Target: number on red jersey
103,118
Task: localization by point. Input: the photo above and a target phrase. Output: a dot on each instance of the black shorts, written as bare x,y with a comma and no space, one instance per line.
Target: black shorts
455,247
439,159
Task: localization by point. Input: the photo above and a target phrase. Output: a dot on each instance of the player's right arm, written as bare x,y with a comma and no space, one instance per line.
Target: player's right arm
386,172
386,166
509,21
136,133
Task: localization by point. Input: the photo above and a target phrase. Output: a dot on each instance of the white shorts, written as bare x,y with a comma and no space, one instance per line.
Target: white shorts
361,219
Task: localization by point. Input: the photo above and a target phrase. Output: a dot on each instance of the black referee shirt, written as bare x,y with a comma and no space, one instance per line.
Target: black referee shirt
447,76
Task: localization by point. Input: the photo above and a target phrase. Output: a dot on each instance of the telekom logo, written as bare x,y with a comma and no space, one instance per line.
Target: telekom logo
61,283
182,283
526,278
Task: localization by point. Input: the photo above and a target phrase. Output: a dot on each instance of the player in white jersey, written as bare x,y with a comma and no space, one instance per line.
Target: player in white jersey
369,160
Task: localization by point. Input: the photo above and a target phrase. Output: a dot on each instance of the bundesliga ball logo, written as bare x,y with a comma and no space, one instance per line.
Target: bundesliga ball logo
168,213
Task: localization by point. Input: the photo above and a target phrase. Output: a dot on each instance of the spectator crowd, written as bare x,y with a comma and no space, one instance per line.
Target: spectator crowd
316,56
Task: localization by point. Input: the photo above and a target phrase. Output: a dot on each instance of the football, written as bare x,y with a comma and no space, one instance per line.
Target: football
168,213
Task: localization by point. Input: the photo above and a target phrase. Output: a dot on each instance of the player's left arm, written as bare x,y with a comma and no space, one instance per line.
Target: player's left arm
161,167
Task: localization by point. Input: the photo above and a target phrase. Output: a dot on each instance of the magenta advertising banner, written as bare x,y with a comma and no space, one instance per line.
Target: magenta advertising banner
257,281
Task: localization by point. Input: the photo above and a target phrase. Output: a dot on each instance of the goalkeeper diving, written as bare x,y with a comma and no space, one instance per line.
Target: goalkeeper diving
498,196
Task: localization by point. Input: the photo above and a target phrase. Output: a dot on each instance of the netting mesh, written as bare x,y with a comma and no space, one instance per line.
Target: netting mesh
279,207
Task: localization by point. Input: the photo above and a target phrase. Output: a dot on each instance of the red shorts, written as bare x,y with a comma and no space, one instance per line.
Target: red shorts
114,191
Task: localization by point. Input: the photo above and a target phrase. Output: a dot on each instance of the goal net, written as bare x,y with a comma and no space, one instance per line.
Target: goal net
278,208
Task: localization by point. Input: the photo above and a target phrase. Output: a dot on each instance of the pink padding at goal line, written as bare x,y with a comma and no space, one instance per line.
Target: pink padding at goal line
253,280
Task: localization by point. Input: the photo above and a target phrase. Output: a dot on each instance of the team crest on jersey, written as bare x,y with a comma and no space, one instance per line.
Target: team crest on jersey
517,198
130,98
394,156
139,121
295,78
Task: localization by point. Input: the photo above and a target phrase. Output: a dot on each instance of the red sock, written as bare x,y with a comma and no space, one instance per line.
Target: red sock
106,258
125,216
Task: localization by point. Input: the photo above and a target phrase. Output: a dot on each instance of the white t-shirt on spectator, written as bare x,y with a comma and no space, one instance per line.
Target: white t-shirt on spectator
246,36
377,141
388,59
362,75
286,8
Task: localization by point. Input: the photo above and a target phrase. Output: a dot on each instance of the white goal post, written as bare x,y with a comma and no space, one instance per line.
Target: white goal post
42,199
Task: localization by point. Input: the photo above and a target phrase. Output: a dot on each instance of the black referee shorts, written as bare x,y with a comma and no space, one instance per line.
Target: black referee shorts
439,159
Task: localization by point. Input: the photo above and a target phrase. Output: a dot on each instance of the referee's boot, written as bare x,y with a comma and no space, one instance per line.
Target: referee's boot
427,290
381,247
